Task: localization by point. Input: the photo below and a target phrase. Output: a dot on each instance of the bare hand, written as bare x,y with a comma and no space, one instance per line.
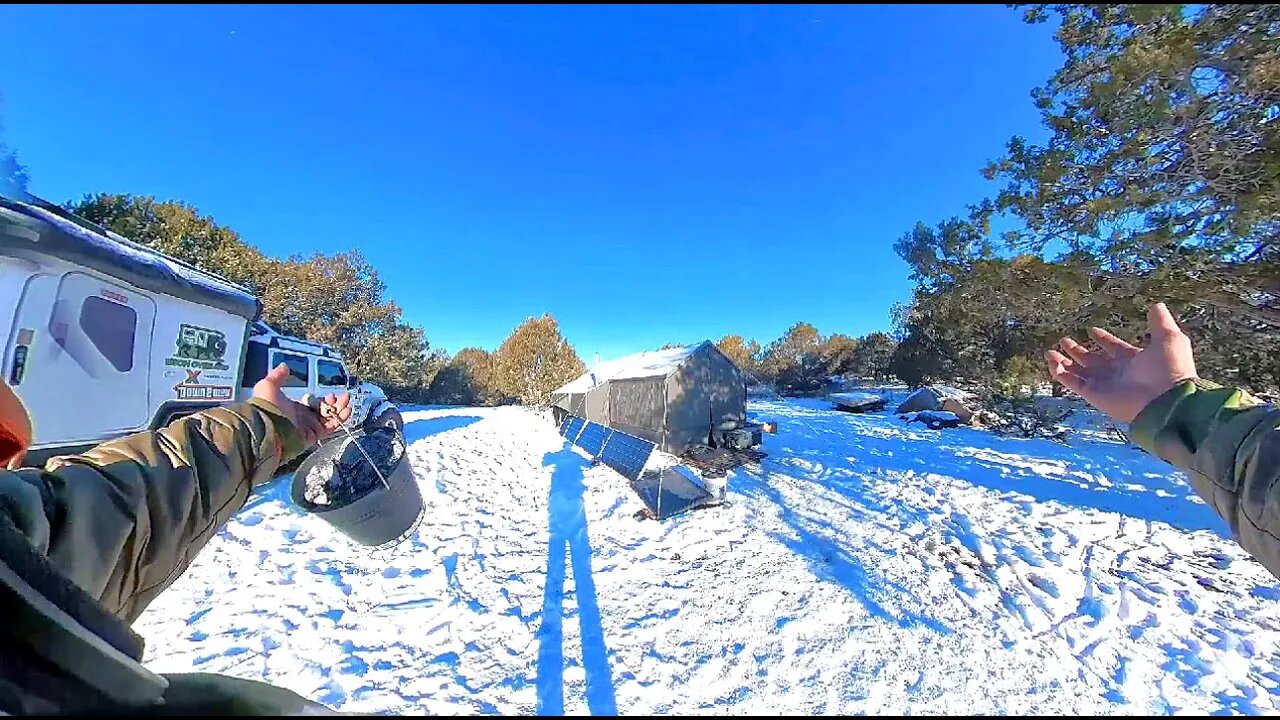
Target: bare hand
334,409
1120,379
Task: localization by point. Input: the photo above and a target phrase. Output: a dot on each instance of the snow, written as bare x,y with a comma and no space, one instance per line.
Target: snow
137,254
640,365
865,566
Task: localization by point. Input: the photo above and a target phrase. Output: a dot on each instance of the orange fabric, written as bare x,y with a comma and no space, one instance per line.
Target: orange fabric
15,426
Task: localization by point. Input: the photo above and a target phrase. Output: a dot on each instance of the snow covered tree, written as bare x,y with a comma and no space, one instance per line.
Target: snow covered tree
534,360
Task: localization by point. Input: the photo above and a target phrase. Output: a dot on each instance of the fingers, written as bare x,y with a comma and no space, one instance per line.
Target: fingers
1060,369
309,426
337,410
1079,353
278,374
1160,321
1111,344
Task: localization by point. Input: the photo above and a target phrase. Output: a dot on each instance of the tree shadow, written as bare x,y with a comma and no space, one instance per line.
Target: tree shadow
416,430
567,529
820,543
1085,473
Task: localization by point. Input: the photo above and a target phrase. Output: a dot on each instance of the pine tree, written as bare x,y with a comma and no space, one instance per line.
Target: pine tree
744,353
794,361
466,380
534,360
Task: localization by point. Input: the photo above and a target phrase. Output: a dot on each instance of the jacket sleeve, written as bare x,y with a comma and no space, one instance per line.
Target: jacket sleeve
124,519
1228,443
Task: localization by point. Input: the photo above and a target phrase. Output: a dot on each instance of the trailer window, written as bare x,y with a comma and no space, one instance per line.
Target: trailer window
298,370
330,373
255,364
110,327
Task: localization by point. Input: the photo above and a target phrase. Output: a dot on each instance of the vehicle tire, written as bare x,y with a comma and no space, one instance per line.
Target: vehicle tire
387,418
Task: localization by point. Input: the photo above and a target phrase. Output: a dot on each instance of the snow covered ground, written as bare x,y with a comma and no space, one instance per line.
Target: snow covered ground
865,567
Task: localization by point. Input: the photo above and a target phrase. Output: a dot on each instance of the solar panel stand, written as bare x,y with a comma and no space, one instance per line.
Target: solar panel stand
596,460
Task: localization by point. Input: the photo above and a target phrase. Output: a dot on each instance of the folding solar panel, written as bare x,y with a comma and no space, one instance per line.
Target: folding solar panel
564,425
573,427
626,454
593,437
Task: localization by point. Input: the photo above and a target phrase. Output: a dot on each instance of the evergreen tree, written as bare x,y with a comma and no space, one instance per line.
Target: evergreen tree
534,360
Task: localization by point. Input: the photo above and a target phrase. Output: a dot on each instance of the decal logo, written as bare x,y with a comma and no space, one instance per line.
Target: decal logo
191,389
199,347
114,296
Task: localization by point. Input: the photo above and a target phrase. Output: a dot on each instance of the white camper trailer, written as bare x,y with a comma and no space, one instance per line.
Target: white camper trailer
104,337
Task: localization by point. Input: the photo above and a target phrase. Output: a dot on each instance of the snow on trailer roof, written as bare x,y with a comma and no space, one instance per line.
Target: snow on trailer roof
657,363
121,258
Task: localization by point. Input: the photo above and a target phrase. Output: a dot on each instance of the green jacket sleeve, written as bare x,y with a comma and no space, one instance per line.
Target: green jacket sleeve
1228,443
124,519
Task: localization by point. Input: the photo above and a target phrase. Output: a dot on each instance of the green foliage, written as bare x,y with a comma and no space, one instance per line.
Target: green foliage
744,353
534,360
468,379
873,356
794,362
334,299
839,354
1019,378
1160,181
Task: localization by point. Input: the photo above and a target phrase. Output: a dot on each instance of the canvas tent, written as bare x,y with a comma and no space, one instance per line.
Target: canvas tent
670,397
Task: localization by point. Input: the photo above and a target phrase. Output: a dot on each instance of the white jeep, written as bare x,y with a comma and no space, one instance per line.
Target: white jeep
106,337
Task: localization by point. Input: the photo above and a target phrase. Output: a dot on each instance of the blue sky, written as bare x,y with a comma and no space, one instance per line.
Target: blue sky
646,174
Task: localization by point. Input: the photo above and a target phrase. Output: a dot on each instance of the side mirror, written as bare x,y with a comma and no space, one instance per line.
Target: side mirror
352,382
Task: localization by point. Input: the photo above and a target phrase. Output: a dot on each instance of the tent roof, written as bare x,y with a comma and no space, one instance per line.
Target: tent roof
658,363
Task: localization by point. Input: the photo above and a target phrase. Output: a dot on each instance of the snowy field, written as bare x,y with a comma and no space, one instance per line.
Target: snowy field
868,566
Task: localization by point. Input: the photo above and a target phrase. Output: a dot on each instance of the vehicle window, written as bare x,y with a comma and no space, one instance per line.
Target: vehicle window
255,364
110,327
330,373
298,371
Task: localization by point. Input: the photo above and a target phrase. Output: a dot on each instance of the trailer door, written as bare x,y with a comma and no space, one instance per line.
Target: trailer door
79,357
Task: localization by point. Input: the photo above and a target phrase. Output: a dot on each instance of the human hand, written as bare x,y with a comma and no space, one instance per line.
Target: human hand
1121,379
334,409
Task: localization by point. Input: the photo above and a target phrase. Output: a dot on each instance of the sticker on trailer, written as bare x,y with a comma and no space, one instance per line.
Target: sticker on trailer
200,348
114,296
191,389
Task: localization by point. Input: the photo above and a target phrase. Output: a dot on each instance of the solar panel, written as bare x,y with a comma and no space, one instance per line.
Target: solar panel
573,427
564,425
627,454
593,438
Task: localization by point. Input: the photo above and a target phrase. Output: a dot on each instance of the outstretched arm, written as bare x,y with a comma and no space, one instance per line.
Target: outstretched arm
124,519
1227,441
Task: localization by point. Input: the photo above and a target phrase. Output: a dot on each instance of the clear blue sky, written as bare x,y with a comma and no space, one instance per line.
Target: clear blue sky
646,174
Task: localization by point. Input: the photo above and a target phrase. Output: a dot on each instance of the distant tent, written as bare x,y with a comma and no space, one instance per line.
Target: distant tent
671,397
930,397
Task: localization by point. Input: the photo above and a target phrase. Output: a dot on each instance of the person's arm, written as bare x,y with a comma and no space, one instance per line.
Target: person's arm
124,519
1228,443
